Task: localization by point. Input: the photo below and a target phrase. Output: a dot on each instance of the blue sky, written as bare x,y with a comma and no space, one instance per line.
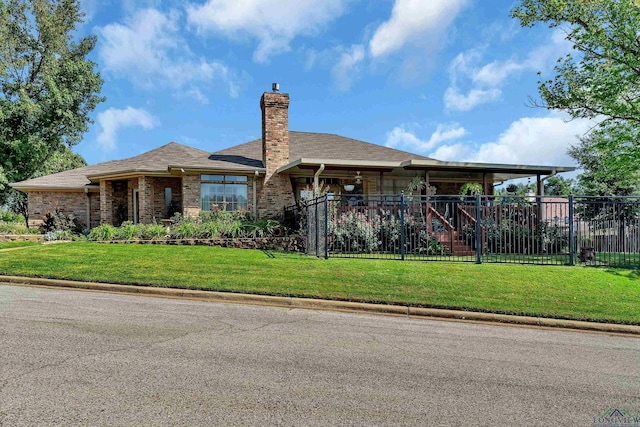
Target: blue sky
446,78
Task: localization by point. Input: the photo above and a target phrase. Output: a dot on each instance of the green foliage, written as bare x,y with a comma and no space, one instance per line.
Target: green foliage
602,177
103,233
559,186
184,230
7,215
355,232
470,189
59,221
15,228
154,232
602,79
48,88
129,231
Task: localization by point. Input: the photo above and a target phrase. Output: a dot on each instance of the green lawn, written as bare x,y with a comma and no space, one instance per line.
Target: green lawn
10,245
551,291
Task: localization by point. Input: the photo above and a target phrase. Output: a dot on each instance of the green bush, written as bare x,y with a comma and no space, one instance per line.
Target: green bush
128,231
104,233
15,228
154,232
208,230
7,215
186,230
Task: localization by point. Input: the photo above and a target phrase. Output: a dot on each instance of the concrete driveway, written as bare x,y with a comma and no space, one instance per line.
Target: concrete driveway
89,358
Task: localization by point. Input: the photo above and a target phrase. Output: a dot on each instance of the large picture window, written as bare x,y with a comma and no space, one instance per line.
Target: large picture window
224,192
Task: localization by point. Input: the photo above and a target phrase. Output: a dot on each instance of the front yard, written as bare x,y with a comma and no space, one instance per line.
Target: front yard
550,291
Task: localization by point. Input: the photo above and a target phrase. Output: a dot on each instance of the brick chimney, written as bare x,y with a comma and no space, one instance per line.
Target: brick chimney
276,190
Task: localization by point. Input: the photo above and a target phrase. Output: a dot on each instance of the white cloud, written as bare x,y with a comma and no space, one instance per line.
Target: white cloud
346,69
149,50
535,140
401,138
454,100
275,23
529,140
411,21
487,80
114,119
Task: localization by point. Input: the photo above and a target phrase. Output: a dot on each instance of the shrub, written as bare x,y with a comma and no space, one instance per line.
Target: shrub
58,221
128,231
7,215
207,230
58,235
15,228
154,231
353,232
104,232
186,230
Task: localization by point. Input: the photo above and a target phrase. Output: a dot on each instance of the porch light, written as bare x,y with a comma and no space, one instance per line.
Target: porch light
349,187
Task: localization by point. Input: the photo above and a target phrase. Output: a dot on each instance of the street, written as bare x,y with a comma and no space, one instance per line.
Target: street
90,358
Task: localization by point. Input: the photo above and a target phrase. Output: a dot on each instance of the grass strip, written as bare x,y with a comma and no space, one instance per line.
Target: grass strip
579,293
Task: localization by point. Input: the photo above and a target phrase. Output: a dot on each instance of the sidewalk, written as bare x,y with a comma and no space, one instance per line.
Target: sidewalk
319,304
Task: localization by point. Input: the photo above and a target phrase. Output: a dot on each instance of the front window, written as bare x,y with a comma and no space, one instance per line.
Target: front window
224,192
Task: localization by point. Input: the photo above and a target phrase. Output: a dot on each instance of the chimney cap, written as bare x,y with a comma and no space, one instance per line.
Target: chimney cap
275,87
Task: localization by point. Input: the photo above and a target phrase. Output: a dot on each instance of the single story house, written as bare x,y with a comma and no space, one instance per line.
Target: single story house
263,176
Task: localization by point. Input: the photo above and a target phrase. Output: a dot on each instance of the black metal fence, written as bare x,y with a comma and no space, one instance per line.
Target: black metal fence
530,229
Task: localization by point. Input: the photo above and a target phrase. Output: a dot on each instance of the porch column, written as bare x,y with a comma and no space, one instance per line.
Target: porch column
485,185
190,195
145,199
88,215
381,182
540,192
106,202
427,184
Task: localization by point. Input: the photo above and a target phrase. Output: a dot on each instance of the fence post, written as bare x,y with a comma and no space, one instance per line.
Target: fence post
326,227
402,236
317,229
478,230
572,249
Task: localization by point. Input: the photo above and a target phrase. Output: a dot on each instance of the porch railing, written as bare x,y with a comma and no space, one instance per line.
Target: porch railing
538,230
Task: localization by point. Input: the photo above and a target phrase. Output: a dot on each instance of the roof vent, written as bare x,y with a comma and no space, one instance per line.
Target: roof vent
275,87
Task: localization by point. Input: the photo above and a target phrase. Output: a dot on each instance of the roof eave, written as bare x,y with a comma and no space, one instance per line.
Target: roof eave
351,164
69,189
193,169
492,167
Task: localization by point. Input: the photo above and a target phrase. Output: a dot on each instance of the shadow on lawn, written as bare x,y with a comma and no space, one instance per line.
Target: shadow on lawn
635,273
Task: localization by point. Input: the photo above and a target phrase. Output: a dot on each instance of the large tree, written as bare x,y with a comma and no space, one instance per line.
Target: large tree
602,178
48,87
601,79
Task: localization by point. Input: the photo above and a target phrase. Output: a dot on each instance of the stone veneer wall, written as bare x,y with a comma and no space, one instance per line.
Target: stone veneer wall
191,195
276,192
43,202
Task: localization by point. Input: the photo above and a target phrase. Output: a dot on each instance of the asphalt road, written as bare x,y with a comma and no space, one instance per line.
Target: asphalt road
87,358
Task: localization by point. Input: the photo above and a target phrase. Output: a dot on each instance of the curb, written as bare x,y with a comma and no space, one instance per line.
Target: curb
320,304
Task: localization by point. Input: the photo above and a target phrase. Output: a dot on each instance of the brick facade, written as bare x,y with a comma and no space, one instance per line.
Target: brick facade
44,202
191,195
276,191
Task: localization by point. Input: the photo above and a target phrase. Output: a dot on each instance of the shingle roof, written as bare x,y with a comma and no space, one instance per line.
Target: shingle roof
324,146
247,156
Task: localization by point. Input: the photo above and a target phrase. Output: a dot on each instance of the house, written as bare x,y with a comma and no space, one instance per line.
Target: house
262,176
